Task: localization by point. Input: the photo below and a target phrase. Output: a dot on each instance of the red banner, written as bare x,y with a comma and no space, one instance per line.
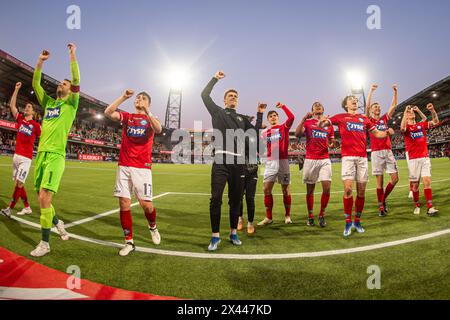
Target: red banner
90,157
96,142
8,124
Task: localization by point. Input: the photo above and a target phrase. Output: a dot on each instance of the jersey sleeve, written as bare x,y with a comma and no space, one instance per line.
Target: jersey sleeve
290,121
75,85
19,117
386,118
370,125
124,116
331,132
334,120
38,129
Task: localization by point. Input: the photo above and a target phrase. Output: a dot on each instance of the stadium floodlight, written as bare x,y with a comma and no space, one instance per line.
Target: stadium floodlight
356,80
434,95
177,77
99,116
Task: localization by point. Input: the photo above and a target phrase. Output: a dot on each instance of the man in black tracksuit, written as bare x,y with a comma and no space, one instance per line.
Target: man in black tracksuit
229,160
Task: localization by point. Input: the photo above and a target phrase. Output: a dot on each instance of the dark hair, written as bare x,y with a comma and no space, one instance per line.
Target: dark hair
29,102
270,113
145,94
68,80
228,91
317,103
344,102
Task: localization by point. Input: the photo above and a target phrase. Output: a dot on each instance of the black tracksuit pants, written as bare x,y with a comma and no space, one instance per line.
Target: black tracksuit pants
250,183
221,174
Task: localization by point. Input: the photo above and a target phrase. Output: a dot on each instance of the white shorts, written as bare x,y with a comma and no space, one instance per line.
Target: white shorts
383,160
355,168
419,168
278,170
21,168
315,171
133,180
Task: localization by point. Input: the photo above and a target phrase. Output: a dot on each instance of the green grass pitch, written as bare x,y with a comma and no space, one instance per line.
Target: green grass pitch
417,270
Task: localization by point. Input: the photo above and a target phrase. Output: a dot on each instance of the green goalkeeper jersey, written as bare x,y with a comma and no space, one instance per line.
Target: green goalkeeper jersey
59,114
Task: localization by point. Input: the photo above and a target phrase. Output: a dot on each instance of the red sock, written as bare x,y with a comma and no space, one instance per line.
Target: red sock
388,191
127,224
287,200
429,197
411,187
151,218
268,203
15,197
324,203
359,207
380,196
416,198
348,209
310,205
24,197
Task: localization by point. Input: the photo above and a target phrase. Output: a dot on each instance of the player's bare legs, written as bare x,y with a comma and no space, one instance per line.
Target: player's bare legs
287,201
431,211
268,203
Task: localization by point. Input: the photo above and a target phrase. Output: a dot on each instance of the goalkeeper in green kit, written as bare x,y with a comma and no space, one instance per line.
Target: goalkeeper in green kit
58,117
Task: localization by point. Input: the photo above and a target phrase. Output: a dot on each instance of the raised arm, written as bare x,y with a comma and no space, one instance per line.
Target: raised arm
382,134
369,99
405,118
259,116
290,121
111,110
154,122
206,93
12,104
300,130
75,71
37,75
394,101
434,117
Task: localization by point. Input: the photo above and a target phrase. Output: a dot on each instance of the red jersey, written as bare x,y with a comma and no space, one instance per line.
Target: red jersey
353,128
416,140
137,141
278,138
27,132
381,125
317,140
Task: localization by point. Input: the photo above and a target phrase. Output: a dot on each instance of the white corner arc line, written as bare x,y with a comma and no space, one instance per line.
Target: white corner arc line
107,213
279,256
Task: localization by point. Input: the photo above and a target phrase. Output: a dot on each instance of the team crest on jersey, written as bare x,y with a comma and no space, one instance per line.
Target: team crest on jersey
144,122
381,121
325,128
53,113
355,126
319,134
136,131
419,127
239,118
361,120
26,130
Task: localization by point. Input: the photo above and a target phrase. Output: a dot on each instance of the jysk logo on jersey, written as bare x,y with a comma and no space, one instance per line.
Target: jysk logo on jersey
276,136
136,132
355,126
26,130
416,134
319,134
53,113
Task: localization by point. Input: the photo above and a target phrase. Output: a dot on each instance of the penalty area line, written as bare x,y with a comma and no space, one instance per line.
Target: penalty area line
107,213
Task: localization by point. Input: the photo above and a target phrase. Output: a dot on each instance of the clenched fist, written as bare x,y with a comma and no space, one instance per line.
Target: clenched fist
128,94
262,107
44,55
72,48
18,85
219,75
430,107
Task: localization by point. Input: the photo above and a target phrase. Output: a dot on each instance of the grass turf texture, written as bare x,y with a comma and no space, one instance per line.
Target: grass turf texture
417,270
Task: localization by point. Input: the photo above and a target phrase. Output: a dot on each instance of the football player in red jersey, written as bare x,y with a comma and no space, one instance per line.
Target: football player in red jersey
277,166
317,166
419,164
353,129
134,173
382,156
27,132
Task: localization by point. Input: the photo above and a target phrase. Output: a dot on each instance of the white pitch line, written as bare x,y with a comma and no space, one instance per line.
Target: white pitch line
294,194
251,256
107,213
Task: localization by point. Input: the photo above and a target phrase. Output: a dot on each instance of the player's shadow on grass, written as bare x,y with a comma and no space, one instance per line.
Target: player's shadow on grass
16,229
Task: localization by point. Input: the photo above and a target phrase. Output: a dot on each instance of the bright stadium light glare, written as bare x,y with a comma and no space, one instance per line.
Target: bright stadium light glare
356,79
177,77
99,116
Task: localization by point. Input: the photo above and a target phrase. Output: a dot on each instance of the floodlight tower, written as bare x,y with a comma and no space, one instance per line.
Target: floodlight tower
176,78
357,89
173,109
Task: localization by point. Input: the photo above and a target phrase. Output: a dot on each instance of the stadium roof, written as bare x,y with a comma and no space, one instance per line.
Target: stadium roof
13,70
